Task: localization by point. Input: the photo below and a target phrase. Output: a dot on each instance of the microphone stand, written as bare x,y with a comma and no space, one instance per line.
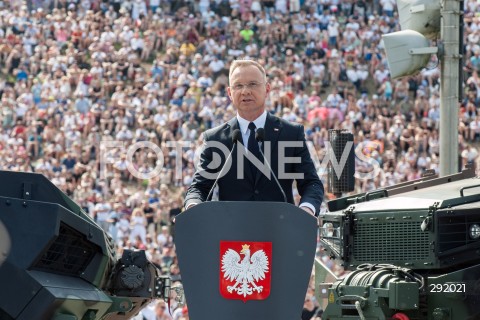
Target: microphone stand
221,172
237,135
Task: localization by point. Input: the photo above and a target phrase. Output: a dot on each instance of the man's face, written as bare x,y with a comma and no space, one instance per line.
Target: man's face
248,91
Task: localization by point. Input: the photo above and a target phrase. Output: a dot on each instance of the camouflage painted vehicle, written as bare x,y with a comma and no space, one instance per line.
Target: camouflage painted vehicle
413,251
57,263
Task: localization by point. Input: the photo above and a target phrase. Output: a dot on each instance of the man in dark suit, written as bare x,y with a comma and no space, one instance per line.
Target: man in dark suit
285,141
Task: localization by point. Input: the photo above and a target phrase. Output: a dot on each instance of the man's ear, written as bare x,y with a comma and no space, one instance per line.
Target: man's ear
229,93
267,88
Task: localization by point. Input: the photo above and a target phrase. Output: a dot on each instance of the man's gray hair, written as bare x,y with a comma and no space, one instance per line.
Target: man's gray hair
241,63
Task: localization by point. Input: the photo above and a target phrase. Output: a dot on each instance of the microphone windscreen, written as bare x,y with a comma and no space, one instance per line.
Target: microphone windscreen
236,135
260,135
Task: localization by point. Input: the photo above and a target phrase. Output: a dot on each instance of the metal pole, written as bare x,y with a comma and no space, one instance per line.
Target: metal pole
450,35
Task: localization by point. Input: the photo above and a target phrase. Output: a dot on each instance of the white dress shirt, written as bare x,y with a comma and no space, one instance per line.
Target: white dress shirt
259,123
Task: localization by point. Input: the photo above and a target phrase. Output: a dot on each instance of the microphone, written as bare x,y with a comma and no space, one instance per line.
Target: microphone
260,137
236,135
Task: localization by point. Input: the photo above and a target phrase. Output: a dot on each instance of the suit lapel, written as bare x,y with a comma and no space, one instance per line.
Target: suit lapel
232,126
272,128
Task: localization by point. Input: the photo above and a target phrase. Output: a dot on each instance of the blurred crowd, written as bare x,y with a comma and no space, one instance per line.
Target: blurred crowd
82,81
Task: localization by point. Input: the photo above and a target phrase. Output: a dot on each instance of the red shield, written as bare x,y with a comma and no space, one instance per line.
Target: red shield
245,270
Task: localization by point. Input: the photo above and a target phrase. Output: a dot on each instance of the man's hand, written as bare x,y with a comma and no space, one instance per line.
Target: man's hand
191,205
307,209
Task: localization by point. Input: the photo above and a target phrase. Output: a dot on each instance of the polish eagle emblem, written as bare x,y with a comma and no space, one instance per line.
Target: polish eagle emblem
244,274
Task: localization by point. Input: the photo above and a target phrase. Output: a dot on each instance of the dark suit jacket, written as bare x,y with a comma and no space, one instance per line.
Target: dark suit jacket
259,188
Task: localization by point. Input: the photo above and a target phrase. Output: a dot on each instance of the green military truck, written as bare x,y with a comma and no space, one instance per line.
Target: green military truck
410,251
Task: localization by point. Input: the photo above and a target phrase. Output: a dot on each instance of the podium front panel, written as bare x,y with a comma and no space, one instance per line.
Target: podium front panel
247,226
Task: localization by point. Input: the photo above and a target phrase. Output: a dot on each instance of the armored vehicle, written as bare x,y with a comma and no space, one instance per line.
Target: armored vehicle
411,251
57,263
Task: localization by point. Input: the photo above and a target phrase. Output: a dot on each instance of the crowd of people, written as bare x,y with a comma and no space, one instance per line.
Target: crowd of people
82,81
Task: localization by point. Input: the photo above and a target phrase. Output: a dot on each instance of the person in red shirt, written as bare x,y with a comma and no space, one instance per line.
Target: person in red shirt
19,131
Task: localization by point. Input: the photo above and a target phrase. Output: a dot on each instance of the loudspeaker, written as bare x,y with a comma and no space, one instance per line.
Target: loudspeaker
407,52
341,175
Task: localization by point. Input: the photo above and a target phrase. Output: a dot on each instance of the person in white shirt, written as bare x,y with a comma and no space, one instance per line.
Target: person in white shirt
164,237
154,5
388,6
475,129
203,6
334,99
126,34
97,69
137,43
102,213
317,74
313,32
333,31
205,81
139,7
138,224
216,65
469,155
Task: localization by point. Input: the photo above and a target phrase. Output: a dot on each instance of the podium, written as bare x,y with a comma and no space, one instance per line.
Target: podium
245,260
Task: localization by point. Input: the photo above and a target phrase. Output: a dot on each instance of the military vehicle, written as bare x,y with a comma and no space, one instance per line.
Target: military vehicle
57,263
411,251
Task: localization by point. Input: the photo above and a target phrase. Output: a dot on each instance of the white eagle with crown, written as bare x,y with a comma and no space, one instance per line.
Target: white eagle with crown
246,272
